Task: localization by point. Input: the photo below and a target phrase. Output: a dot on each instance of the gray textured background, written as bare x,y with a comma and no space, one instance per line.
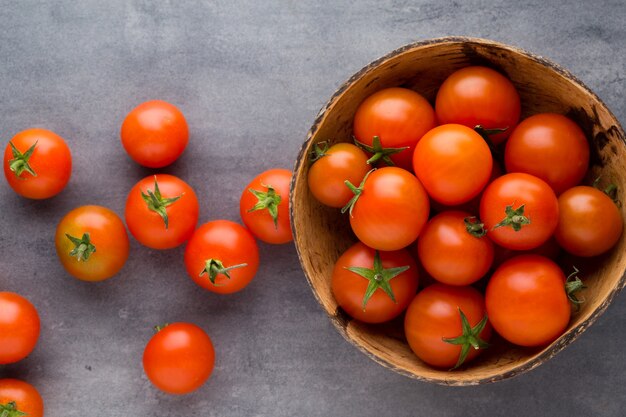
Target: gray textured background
250,77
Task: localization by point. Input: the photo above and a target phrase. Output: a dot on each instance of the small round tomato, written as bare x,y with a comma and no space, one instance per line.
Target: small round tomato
453,248
526,300
222,257
398,118
264,206
92,243
390,209
479,96
179,358
374,286
155,134
37,163
332,167
453,162
589,222
19,398
446,325
19,327
520,211
162,211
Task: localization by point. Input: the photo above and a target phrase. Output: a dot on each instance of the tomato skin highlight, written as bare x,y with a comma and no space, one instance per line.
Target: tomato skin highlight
25,396
19,327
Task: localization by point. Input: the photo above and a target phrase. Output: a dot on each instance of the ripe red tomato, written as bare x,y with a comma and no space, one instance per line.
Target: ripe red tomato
19,398
399,117
374,286
551,147
179,358
19,327
155,133
436,330
264,206
453,249
162,211
589,222
391,209
453,163
222,257
475,96
520,211
526,300
92,243
37,163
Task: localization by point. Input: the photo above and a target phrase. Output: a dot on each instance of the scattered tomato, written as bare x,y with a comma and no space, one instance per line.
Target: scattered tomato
19,398
19,327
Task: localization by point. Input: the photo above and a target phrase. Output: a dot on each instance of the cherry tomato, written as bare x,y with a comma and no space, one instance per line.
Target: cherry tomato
453,163
479,96
179,358
92,243
264,206
374,286
155,134
589,222
526,301
19,327
162,211
37,163
222,257
398,117
519,210
19,398
446,325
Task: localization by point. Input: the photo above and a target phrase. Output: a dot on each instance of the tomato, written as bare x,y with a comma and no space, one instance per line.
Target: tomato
19,398
526,300
453,163
398,117
479,96
264,206
162,211
453,249
155,133
389,209
446,325
179,358
551,147
222,257
332,168
92,243
19,327
374,286
519,210
589,222
37,163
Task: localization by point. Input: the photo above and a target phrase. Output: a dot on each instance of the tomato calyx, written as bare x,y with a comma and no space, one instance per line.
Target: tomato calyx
486,133
470,338
319,150
19,163
378,152
357,193
83,248
475,227
160,327
214,267
267,200
514,218
10,410
157,203
610,190
574,284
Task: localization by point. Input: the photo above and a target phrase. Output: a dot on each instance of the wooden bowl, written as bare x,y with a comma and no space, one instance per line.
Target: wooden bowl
321,234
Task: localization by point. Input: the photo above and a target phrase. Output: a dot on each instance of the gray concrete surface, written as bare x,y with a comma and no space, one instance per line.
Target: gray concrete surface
250,77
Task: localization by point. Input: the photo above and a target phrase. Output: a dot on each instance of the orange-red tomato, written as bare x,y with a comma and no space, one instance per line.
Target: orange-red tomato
16,395
38,165
19,327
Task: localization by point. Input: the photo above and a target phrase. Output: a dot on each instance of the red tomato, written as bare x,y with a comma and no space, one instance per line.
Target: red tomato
19,398
453,163
374,286
475,96
222,257
399,117
155,133
434,326
264,206
162,211
179,358
526,301
391,209
19,327
37,163
92,243
520,211
551,147
589,222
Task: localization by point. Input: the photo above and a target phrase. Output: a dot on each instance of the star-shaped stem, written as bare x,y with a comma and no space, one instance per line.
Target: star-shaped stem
514,218
214,267
470,338
10,410
19,163
269,200
474,226
574,284
357,192
319,151
83,248
157,203
378,152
